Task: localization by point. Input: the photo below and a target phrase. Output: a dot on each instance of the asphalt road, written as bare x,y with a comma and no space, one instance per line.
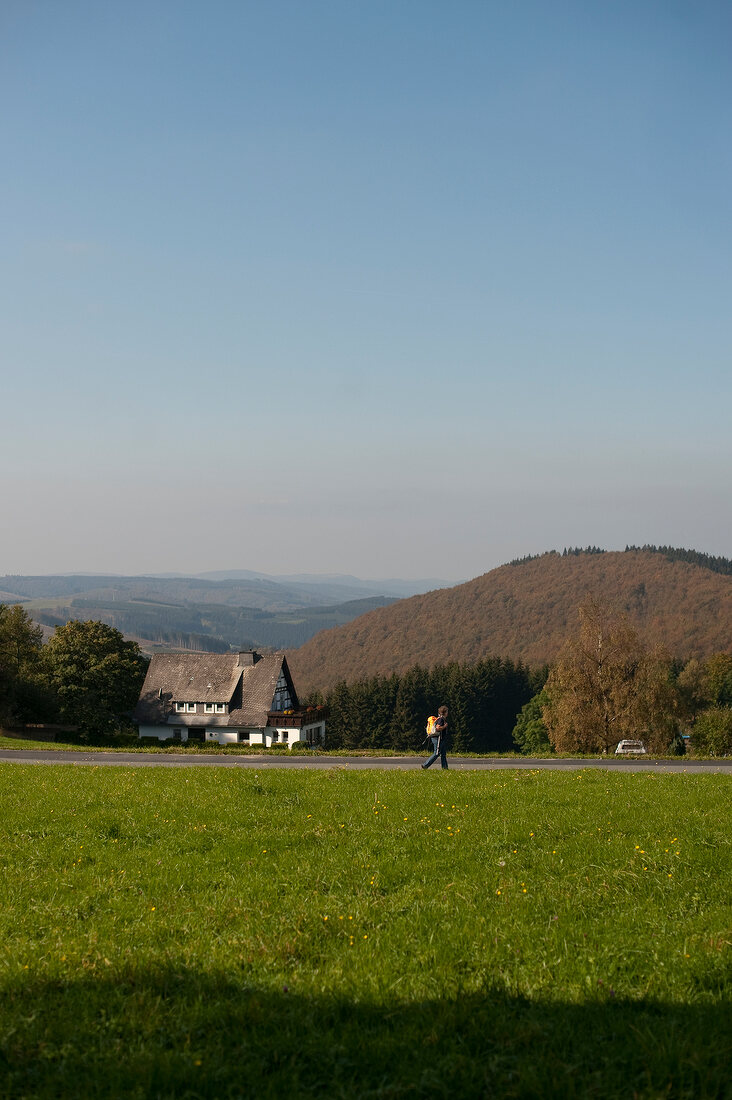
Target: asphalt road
355,763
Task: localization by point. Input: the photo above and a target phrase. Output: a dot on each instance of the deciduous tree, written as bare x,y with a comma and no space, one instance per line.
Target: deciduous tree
96,674
712,731
606,687
530,732
719,678
20,639
22,694
705,684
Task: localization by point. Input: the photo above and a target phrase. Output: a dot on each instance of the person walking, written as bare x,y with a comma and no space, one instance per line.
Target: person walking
439,740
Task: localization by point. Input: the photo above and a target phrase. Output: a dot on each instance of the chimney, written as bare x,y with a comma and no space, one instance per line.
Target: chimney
248,657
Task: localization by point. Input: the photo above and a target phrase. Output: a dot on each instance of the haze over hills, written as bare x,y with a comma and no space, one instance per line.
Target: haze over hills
212,612
341,585
525,611
235,588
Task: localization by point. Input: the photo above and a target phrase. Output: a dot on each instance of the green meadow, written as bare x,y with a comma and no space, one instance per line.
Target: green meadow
220,933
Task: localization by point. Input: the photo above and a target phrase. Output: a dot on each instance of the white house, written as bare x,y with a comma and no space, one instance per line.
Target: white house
229,698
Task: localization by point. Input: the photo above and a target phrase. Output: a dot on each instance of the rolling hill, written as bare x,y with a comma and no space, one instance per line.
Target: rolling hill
189,613
525,611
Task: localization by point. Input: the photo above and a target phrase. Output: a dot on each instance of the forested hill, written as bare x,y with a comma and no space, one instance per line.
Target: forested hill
525,611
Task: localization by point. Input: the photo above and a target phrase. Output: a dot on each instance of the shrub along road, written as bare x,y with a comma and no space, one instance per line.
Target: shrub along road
389,763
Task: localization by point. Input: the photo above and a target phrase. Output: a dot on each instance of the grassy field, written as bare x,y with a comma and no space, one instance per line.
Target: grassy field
335,934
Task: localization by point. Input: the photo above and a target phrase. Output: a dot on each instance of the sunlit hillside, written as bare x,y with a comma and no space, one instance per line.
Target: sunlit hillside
525,611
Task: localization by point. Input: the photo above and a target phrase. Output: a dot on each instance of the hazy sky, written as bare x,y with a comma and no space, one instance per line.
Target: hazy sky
400,288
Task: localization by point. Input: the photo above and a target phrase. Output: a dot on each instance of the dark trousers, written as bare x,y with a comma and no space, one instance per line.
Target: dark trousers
440,749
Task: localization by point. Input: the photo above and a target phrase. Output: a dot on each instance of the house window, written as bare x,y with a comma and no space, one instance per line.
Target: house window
208,708
190,708
315,734
221,708
180,707
243,735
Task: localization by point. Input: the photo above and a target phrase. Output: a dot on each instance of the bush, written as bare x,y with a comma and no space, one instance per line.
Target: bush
712,731
530,733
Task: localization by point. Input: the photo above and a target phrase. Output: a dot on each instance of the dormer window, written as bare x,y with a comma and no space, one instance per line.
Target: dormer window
221,708
208,708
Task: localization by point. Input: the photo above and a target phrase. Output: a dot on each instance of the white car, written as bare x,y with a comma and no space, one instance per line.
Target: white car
626,748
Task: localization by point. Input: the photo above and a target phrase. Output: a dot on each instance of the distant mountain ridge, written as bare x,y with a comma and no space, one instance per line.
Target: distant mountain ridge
340,584
248,610
240,587
526,613
209,627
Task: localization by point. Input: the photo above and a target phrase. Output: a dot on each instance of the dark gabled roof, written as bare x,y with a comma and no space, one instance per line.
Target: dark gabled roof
194,677
211,678
257,691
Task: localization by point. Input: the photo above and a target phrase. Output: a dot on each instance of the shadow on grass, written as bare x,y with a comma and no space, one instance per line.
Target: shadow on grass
181,1033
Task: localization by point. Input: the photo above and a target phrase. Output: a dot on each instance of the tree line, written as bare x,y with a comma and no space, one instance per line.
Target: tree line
712,562
717,564
390,712
86,676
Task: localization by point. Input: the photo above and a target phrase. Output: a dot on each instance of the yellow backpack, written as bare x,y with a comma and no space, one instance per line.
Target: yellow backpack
431,732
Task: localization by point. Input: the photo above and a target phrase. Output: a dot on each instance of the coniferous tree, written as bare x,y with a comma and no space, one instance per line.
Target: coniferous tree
356,728
407,728
391,712
381,694
337,702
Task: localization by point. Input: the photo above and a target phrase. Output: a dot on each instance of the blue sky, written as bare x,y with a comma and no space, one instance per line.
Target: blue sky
404,288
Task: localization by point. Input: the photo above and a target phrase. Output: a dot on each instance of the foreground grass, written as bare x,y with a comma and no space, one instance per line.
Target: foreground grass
223,934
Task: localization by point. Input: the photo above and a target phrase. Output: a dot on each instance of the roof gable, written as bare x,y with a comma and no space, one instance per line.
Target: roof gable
258,685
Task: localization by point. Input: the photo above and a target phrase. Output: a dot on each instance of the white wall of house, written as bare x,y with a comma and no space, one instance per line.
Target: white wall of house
162,733
225,736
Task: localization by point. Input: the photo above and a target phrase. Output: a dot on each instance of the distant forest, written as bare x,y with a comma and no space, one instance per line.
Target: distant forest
190,613
671,553
212,628
693,557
